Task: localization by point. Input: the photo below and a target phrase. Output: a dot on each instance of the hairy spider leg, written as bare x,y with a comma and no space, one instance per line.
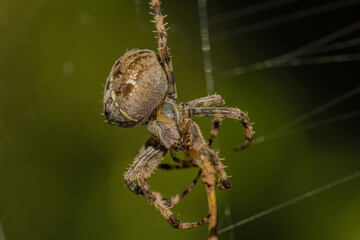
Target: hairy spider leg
176,199
163,50
215,130
223,113
211,100
145,162
182,163
147,152
166,166
156,199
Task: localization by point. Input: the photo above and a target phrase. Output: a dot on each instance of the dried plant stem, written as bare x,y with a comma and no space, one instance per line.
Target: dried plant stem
209,180
210,192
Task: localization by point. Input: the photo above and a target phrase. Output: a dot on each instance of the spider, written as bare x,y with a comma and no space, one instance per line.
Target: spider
141,90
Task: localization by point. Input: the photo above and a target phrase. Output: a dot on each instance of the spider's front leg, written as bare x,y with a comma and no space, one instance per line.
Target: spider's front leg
222,113
145,162
211,100
163,49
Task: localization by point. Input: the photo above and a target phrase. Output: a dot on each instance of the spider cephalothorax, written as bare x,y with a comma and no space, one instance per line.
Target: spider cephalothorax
141,90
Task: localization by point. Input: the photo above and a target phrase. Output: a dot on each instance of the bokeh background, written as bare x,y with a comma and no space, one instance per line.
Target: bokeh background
61,166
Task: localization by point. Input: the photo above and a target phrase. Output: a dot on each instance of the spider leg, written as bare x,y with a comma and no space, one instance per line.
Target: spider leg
176,199
166,166
163,49
145,162
211,100
150,142
224,112
207,101
203,148
215,130
178,160
157,200
182,163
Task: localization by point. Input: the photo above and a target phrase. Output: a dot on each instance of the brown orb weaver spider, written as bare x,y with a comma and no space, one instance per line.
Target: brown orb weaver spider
141,90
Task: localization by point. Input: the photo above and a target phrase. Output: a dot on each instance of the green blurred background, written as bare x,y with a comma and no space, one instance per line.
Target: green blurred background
61,166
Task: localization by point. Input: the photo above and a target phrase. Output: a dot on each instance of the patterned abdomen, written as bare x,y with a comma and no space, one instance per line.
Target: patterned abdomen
136,85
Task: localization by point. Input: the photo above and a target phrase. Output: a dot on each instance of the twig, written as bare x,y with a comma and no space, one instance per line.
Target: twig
209,180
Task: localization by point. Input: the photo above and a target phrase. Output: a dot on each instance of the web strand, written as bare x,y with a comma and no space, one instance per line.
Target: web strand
282,59
208,178
205,46
310,126
295,58
318,110
282,19
2,234
291,201
335,47
288,127
228,217
322,60
253,9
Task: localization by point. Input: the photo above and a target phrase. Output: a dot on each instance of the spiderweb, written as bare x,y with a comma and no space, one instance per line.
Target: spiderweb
337,46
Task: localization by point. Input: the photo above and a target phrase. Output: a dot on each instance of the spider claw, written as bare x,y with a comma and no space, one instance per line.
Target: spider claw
224,185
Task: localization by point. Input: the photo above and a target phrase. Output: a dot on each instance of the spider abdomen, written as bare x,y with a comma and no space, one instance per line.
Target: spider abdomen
136,85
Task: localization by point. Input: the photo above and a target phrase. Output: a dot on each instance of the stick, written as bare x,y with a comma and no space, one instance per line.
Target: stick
209,180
